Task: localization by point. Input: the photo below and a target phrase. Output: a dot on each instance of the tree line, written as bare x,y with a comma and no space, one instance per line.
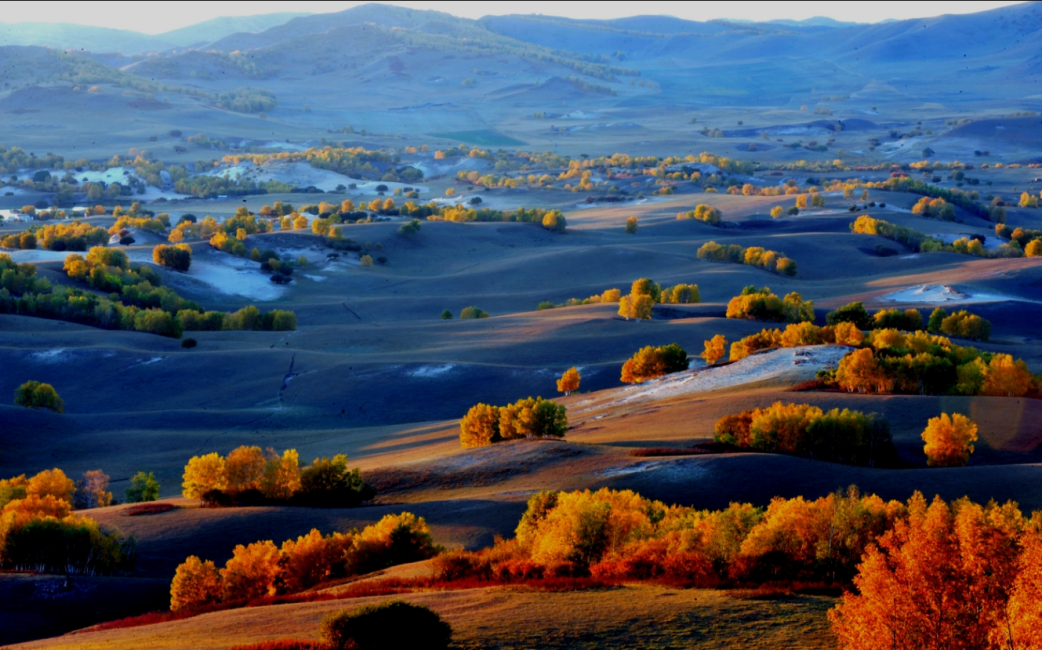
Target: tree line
772,261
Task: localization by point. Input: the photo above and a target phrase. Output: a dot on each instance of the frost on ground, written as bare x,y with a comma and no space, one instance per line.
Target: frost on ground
941,294
224,273
302,174
786,365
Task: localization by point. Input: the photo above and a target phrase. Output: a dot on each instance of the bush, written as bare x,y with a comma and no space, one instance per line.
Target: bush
34,395
472,312
555,221
446,314
409,228
392,624
189,343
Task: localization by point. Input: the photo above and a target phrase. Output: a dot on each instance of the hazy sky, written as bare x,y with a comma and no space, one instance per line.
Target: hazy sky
157,17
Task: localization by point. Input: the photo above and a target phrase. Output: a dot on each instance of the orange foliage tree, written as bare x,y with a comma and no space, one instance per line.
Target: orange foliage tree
52,482
940,578
251,572
569,381
196,584
949,440
715,348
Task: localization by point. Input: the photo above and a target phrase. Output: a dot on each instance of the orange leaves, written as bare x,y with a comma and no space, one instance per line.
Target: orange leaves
859,371
1006,377
251,572
940,578
949,440
52,482
196,584
715,349
569,381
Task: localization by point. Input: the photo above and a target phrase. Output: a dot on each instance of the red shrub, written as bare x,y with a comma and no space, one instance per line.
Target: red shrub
148,509
283,644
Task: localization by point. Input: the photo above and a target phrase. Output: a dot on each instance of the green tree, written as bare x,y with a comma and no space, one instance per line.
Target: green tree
854,312
143,487
936,318
35,395
329,483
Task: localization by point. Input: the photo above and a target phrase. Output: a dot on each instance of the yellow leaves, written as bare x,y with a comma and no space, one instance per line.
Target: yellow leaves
196,584
480,426
859,371
203,474
638,307
949,440
1006,377
715,349
569,381
281,478
243,469
51,482
251,572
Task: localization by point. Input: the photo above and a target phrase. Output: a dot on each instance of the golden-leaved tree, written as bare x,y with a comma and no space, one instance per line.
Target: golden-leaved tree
196,584
949,440
569,381
715,349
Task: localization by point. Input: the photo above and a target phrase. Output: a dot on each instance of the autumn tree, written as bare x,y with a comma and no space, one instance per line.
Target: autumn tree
949,440
651,362
1005,377
569,381
555,221
52,482
203,474
939,578
631,226
177,257
776,212
196,584
311,559
92,490
281,477
1021,627
860,371
36,395
715,349
252,571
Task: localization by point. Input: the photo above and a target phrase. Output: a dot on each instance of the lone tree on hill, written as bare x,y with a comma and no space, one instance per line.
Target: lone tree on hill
569,381
34,395
143,487
949,440
715,349
631,226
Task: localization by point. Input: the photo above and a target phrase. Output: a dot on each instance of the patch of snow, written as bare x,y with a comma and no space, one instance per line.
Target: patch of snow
316,278
40,255
941,294
225,273
429,372
146,362
792,365
47,356
302,174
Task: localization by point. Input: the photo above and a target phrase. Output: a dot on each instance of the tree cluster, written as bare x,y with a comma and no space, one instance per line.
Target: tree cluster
934,208
250,476
651,362
761,304
645,294
846,436
702,212
36,395
262,569
772,261
39,531
485,425
74,236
